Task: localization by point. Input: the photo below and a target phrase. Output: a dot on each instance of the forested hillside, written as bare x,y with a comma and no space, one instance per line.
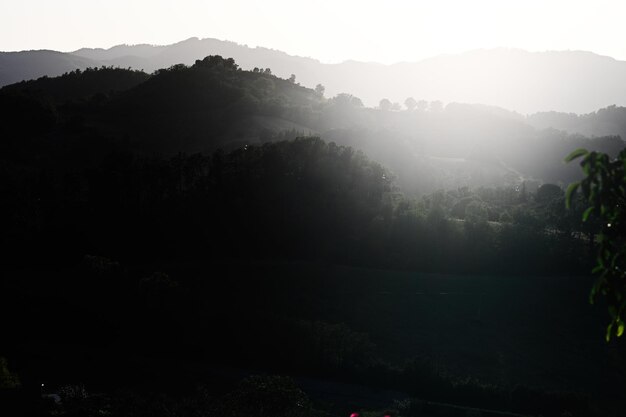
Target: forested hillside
214,104
120,144
190,225
603,122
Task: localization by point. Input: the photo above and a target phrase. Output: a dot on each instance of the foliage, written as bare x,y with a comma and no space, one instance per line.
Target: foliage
385,104
604,188
610,120
81,116
410,104
301,199
130,167
7,378
266,396
90,85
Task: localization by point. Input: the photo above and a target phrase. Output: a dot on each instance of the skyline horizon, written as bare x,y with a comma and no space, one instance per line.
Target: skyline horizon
332,32
318,59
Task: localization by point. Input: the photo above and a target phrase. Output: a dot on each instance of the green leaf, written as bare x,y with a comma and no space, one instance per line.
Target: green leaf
620,329
613,311
576,154
614,260
570,191
587,213
609,328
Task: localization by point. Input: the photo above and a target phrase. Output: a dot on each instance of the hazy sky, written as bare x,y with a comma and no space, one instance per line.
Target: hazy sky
330,30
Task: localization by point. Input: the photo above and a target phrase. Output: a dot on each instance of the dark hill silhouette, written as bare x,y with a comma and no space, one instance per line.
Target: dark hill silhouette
212,103
528,82
79,84
134,263
215,104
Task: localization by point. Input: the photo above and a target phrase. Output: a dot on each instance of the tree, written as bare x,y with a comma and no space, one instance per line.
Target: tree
604,188
267,396
7,378
436,106
476,212
410,104
216,61
547,193
320,89
422,105
346,100
385,104
292,78
356,102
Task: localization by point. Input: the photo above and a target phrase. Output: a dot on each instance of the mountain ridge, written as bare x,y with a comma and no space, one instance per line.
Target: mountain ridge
526,82
214,104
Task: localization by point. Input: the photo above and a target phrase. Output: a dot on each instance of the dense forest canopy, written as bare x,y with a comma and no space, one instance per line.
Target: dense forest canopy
209,218
79,156
214,104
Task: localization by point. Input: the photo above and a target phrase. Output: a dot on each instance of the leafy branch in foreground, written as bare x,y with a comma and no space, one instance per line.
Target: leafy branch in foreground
604,188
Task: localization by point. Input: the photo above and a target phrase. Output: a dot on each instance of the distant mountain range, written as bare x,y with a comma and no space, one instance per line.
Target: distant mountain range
78,118
527,82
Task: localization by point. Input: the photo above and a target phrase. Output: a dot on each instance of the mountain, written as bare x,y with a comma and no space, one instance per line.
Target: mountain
198,159
527,82
26,65
214,104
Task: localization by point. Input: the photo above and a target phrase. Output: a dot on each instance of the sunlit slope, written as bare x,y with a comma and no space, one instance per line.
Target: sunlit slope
215,104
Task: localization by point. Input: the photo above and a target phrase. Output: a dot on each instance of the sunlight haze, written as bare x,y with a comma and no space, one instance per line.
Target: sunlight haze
330,31
391,208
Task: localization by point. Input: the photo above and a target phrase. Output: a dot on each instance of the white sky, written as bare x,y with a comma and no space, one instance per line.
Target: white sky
330,30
